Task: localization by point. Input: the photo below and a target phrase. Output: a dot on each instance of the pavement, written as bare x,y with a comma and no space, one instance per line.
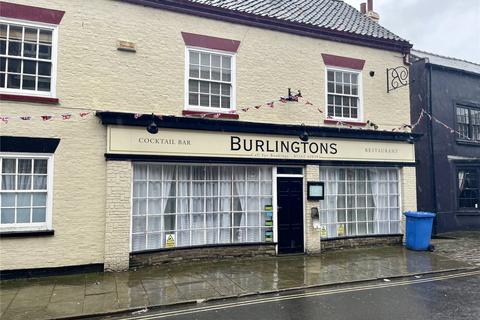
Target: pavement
195,282
451,296
461,246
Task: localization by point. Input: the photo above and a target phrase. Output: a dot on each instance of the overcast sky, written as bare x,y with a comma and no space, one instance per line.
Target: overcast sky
446,27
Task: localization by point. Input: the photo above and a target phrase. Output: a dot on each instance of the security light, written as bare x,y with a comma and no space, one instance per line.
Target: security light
304,135
152,127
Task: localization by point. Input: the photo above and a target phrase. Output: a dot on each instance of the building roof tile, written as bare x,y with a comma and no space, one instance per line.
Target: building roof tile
327,14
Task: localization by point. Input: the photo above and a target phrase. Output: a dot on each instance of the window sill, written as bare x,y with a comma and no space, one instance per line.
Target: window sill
25,234
467,212
386,235
469,143
22,98
206,246
210,114
352,123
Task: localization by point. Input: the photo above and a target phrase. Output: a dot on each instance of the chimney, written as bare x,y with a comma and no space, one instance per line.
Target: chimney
363,8
368,11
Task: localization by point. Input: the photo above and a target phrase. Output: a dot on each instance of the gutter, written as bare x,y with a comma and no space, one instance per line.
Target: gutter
446,68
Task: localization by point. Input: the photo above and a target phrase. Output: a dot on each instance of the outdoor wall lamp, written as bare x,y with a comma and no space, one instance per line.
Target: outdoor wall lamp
152,127
304,135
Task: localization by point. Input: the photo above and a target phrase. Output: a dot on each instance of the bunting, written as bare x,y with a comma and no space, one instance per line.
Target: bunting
5,119
46,117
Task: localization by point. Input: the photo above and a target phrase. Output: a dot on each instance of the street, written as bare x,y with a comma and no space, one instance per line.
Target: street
438,297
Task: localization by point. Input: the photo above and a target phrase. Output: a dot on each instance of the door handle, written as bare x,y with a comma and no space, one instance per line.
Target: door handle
278,208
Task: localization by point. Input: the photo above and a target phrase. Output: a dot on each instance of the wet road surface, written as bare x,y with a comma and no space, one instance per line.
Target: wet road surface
454,296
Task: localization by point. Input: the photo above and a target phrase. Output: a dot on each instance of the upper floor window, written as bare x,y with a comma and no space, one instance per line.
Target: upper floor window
210,81
343,94
27,58
468,123
469,188
25,191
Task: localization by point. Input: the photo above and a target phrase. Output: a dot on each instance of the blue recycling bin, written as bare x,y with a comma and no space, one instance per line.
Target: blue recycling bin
418,230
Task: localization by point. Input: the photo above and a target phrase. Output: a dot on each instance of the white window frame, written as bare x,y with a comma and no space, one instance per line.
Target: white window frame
233,93
360,94
192,164
39,226
53,80
400,204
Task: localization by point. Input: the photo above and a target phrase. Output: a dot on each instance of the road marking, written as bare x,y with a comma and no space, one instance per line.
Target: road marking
301,295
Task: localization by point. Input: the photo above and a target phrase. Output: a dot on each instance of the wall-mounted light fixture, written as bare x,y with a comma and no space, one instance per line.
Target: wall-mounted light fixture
304,134
152,127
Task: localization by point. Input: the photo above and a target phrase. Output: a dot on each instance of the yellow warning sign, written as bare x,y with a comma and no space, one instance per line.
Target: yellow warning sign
341,230
323,231
170,240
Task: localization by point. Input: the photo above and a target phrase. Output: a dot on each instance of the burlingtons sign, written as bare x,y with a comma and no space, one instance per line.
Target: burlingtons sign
196,143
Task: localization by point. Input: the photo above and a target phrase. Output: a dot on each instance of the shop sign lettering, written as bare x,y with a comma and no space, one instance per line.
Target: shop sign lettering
281,146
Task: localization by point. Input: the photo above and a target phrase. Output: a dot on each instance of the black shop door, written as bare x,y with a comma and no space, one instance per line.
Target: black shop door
290,215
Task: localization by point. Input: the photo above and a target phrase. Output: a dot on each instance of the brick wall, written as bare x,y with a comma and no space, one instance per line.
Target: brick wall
78,205
312,236
117,217
206,253
361,242
409,192
93,73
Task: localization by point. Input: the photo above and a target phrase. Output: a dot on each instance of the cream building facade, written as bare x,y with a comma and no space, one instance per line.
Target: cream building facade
84,184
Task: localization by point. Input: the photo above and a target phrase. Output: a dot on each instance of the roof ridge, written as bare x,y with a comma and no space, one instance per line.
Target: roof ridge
446,57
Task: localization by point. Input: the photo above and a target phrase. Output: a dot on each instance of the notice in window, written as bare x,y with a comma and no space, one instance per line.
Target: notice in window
170,240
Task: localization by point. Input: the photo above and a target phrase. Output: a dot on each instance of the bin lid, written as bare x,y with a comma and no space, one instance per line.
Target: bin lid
419,214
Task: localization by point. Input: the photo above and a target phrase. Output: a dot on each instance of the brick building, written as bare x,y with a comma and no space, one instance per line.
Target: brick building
231,163
448,162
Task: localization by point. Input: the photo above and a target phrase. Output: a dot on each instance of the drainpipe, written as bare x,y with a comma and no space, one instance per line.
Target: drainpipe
432,155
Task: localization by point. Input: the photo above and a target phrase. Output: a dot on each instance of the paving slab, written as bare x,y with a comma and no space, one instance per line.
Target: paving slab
462,246
99,293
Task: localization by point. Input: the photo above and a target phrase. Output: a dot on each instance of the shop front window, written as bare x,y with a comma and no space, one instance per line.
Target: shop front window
360,201
194,205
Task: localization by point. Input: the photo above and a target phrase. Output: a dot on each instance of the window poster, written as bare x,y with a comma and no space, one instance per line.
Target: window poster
268,211
323,231
170,240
